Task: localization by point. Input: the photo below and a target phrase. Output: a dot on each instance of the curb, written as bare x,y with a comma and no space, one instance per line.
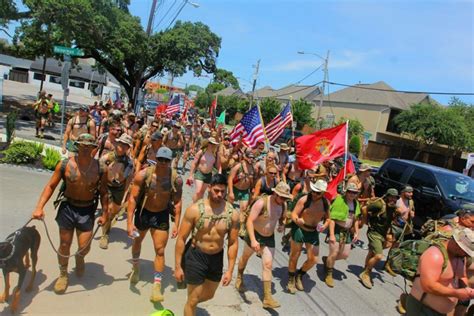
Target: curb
26,167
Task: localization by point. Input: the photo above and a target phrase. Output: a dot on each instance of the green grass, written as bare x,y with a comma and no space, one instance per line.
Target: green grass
372,162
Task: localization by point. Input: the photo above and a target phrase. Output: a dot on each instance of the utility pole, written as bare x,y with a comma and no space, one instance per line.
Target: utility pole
255,76
322,92
136,90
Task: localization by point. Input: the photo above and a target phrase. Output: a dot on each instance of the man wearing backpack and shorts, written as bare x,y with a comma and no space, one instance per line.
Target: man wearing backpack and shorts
310,210
83,181
380,216
155,195
119,167
263,217
79,124
441,271
200,261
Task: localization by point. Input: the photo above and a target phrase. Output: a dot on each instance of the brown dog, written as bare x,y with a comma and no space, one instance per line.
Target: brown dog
14,258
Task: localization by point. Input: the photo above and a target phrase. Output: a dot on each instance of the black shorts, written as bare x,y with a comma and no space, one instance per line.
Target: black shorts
200,266
70,217
157,220
116,194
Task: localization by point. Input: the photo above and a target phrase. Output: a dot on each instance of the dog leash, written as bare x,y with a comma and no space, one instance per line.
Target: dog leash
78,251
11,240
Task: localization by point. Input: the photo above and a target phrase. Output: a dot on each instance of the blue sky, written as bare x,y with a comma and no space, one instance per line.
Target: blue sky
411,45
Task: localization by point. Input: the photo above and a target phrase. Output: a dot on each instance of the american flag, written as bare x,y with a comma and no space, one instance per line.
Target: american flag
173,106
275,128
250,128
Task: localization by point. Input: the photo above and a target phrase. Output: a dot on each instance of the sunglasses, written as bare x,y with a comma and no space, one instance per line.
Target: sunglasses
317,193
163,160
352,192
155,126
118,130
272,173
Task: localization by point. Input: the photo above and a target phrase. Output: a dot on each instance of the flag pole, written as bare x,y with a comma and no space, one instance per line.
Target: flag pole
263,126
346,152
292,126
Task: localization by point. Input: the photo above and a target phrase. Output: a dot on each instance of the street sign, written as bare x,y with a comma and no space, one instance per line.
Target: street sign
68,51
293,124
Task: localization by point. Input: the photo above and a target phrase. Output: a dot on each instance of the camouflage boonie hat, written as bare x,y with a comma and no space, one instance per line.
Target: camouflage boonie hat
392,192
86,140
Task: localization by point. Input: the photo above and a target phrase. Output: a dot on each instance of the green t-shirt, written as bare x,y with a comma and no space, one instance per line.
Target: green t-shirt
380,221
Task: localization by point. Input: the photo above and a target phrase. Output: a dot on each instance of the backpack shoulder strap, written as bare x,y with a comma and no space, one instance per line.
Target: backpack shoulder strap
174,177
264,211
229,210
325,205
200,221
103,140
64,163
444,251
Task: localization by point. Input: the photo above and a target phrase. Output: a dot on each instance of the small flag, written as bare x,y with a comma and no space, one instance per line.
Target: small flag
173,106
221,118
276,127
331,191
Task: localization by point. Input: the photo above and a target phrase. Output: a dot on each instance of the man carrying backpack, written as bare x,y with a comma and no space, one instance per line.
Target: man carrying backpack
309,211
83,181
155,195
441,272
79,124
119,167
380,216
262,220
200,261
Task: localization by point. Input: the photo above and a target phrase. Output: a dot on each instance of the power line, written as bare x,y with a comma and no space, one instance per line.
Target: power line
311,73
179,11
164,16
401,91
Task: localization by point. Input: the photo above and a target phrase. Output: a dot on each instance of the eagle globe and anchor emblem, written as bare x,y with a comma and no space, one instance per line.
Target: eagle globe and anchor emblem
324,147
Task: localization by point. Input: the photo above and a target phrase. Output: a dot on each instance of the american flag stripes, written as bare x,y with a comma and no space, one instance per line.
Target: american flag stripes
275,128
173,106
250,129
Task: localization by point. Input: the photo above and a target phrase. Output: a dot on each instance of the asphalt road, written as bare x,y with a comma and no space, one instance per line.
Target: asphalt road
104,290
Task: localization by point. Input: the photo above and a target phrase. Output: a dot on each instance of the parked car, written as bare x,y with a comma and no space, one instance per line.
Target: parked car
437,191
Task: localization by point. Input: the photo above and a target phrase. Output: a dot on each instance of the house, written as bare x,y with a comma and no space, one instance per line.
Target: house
14,68
229,91
294,92
374,105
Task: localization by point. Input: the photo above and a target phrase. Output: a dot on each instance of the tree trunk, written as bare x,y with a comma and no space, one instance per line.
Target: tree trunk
43,72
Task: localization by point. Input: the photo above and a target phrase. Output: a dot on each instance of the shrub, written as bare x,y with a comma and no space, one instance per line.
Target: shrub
21,153
354,145
39,147
51,159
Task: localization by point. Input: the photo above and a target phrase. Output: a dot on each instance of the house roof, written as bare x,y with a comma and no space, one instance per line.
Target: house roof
82,71
361,94
15,62
294,91
229,91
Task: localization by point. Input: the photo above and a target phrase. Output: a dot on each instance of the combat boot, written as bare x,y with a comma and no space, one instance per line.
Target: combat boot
239,281
299,281
62,282
329,279
104,242
268,300
135,275
156,295
365,279
291,285
389,270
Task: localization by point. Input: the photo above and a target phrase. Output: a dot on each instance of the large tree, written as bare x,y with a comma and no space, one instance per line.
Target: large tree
269,107
302,113
107,32
226,78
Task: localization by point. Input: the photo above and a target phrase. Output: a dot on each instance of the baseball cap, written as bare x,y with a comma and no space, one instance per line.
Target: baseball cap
156,135
407,188
164,152
352,187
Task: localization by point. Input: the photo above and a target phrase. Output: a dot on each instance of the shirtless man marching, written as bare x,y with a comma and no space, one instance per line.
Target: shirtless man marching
261,223
155,195
174,140
209,220
308,212
76,210
201,169
79,124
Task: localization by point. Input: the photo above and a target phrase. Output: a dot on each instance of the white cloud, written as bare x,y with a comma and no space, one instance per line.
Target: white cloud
344,59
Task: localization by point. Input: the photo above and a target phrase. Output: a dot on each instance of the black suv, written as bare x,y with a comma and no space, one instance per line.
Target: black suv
437,191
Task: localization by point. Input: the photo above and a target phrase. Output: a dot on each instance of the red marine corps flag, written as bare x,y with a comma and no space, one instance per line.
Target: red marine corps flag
320,146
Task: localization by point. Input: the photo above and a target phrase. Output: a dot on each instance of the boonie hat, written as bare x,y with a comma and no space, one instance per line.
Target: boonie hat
164,152
284,146
364,167
164,130
282,189
125,139
212,140
465,239
319,186
392,192
407,188
85,139
84,108
132,114
352,187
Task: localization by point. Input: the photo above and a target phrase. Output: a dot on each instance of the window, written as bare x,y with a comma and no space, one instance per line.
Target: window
55,79
77,84
394,171
422,178
38,76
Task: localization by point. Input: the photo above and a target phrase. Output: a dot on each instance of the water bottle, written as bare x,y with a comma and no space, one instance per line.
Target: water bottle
135,234
319,228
